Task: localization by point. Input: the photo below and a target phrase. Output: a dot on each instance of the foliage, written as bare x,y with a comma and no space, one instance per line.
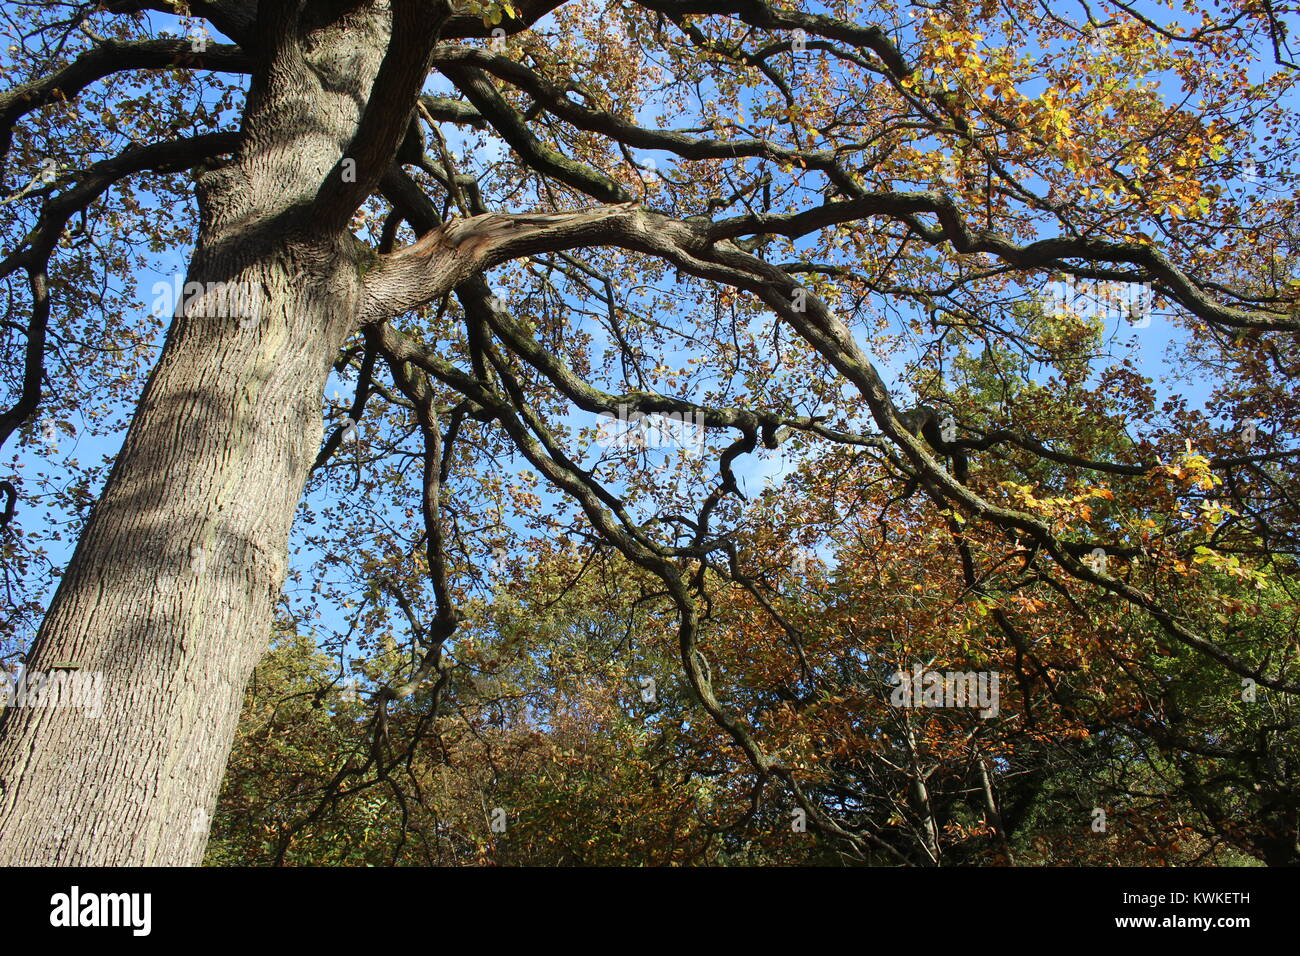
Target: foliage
845,243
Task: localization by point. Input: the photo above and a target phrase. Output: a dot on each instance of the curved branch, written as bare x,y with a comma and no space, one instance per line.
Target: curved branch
109,57
167,157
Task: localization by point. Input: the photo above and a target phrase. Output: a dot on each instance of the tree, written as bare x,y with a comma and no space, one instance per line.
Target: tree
745,202
548,732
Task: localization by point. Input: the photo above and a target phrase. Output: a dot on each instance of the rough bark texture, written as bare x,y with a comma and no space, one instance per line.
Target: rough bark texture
170,593
172,587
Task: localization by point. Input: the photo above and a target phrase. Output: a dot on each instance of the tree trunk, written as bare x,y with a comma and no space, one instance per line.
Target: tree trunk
171,591
173,584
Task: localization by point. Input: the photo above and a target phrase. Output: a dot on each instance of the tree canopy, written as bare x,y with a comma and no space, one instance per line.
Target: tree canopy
617,413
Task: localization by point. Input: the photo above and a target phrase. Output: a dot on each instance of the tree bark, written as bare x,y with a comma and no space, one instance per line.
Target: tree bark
171,590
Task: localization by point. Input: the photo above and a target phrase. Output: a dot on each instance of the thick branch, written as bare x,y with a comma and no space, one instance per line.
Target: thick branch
452,253
389,109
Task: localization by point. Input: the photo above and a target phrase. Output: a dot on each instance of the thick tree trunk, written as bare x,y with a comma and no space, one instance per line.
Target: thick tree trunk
173,584
172,587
